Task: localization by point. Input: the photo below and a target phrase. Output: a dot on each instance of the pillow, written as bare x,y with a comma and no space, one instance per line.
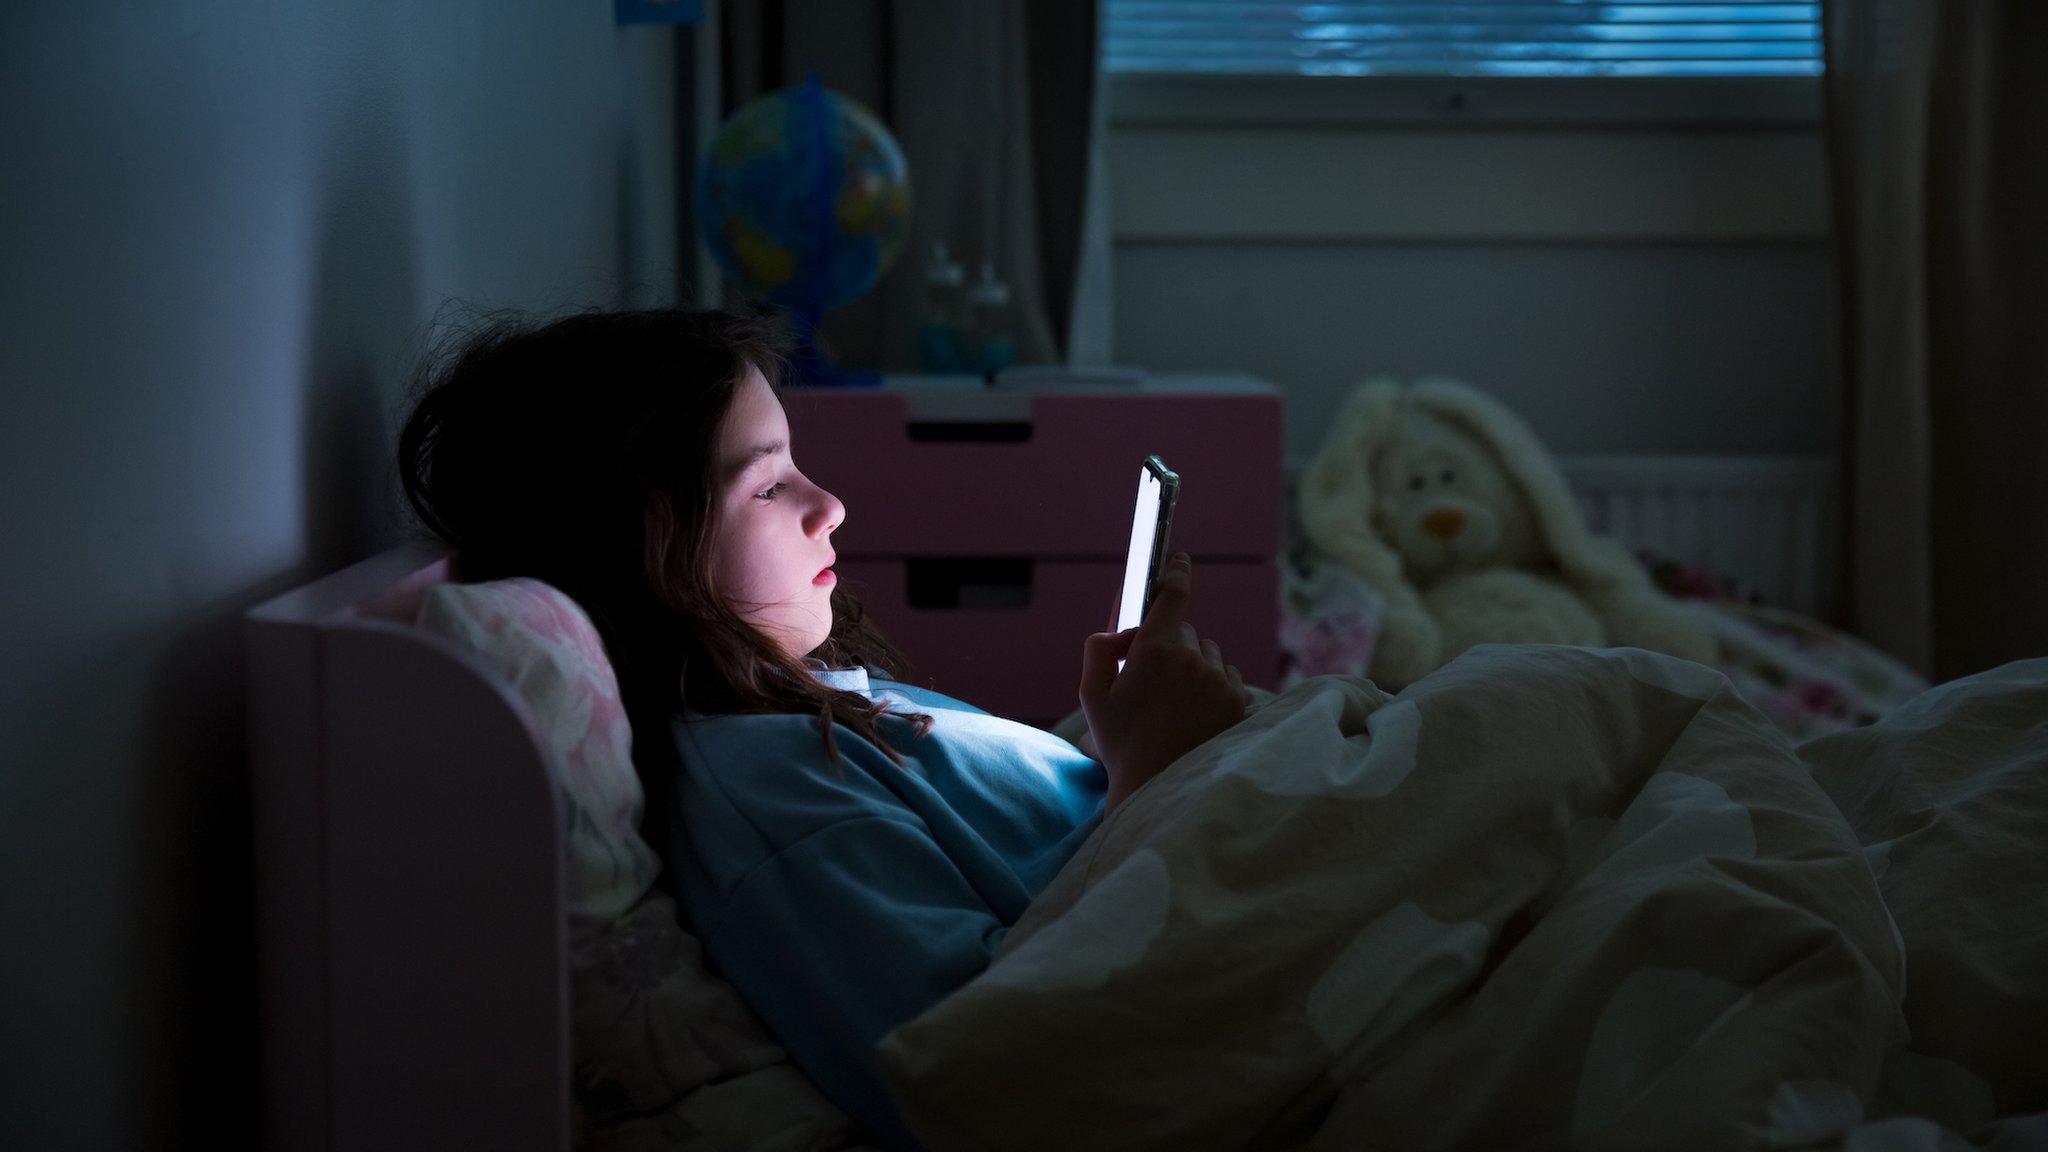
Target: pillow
665,1049
666,1053
541,642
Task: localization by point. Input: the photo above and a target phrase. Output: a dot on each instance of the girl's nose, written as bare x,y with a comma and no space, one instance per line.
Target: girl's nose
831,512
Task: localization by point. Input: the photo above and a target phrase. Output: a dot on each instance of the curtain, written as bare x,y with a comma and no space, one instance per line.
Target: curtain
997,105
1940,184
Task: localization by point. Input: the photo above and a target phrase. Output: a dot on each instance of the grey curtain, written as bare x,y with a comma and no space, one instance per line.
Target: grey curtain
1940,181
997,106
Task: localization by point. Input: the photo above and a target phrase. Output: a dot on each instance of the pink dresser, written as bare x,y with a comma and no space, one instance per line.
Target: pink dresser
986,527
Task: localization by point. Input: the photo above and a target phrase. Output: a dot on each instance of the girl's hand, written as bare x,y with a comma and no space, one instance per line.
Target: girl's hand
1174,692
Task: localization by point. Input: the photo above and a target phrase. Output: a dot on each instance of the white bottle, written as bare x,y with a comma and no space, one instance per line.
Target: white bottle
939,345
989,327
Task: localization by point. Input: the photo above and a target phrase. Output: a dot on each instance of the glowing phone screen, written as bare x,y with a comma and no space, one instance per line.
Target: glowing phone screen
1138,561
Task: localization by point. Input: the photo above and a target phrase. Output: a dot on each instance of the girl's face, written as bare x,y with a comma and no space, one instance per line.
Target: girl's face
771,552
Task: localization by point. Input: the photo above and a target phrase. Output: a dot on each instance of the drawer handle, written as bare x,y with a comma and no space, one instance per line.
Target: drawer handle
968,581
970,431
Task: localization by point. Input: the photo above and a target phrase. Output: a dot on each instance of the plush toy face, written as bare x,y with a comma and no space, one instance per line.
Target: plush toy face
1445,505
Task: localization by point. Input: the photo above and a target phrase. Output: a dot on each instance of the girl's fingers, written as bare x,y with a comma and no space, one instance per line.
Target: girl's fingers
1169,600
1187,634
1099,654
1212,653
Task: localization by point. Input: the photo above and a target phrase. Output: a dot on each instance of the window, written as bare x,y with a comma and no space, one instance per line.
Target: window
1463,38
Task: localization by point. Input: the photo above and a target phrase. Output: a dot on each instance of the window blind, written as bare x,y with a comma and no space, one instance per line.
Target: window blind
1464,38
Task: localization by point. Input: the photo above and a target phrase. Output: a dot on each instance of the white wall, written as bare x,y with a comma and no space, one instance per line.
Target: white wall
1635,267
222,228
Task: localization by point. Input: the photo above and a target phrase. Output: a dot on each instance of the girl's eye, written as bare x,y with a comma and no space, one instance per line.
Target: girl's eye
1449,476
1415,483
772,493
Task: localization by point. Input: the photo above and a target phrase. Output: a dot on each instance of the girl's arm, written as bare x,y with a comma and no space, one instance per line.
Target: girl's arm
842,936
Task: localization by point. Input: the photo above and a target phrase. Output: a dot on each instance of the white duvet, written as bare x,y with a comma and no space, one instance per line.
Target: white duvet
1546,897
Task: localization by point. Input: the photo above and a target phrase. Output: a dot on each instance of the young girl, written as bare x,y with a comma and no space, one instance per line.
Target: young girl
848,848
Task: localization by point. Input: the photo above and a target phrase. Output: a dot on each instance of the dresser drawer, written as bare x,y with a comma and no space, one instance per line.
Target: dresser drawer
1012,644
1056,479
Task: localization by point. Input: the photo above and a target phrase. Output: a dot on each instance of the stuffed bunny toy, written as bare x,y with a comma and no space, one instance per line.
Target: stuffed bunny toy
1446,504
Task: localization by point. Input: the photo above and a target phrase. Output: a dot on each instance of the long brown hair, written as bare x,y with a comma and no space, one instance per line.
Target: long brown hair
582,452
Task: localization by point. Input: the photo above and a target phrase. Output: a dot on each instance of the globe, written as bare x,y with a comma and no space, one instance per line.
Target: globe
804,198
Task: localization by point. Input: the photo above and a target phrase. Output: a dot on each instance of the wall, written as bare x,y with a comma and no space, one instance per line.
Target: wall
1636,266
223,230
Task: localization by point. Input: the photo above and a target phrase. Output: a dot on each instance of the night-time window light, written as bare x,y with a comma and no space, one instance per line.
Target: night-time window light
1470,38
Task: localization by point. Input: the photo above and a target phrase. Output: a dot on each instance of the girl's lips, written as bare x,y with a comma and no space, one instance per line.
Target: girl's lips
825,577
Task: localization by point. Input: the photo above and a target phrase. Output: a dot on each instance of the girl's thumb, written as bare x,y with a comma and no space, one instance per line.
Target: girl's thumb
1098,661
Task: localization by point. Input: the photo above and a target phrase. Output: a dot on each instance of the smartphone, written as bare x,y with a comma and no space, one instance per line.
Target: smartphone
1151,524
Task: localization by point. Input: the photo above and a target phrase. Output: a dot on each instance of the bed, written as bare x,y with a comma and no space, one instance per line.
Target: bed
405,828
439,867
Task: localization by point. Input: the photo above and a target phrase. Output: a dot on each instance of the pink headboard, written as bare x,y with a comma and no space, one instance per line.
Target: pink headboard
411,943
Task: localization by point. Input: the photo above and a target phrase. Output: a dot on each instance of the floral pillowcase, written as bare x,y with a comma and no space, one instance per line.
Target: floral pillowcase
544,645
666,1054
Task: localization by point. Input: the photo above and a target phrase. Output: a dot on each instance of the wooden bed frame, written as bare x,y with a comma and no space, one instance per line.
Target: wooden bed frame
412,960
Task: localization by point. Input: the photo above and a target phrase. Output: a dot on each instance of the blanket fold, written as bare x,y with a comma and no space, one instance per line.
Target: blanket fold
1543,897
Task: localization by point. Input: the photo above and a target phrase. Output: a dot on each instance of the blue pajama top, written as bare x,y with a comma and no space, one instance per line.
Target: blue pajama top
842,901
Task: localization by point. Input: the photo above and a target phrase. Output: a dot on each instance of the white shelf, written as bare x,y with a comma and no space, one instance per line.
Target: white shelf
970,399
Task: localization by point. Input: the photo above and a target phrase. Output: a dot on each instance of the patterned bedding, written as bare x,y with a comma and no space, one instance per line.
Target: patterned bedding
1808,678
1545,897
